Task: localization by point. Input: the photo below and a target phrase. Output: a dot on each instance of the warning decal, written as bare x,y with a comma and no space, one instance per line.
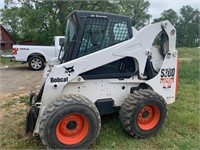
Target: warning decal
167,77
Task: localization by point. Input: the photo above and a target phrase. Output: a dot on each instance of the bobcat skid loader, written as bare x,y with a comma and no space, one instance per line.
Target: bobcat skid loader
105,66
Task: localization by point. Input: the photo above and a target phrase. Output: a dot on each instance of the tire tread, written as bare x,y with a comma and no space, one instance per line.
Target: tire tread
130,104
61,102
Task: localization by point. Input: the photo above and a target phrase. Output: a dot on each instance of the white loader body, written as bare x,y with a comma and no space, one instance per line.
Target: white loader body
64,79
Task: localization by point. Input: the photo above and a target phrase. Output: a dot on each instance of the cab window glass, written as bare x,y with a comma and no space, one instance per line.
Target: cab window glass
100,33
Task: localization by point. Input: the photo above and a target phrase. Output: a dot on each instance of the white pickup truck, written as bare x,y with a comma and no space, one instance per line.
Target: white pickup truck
36,56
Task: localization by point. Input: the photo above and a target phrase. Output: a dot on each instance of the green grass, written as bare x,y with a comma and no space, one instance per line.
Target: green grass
188,52
7,61
12,133
180,131
8,51
24,99
9,103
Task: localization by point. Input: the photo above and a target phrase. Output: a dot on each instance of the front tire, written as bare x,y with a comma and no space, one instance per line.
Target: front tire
143,113
36,63
70,122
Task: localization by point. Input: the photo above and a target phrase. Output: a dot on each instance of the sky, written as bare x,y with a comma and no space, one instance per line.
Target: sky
158,6
1,3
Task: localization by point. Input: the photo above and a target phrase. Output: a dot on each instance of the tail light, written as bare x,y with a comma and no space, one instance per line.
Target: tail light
14,51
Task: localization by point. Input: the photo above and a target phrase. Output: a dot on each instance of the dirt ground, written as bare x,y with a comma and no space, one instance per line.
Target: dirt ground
17,81
18,78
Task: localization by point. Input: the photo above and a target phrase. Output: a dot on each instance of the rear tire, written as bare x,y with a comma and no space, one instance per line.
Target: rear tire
70,122
36,63
143,113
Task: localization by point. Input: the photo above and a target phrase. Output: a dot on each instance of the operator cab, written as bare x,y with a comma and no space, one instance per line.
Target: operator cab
89,32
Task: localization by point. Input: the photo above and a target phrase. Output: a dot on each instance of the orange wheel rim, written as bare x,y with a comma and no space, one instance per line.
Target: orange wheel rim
148,117
72,129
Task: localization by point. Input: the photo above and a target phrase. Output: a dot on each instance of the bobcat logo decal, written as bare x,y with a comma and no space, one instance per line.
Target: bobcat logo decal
69,69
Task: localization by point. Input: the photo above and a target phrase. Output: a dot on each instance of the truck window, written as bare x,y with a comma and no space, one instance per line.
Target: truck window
53,42
61,41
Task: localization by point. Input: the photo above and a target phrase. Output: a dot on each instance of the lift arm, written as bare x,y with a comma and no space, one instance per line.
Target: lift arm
137,47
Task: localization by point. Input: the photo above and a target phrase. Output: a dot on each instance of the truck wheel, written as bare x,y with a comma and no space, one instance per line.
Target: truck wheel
36,63
143,113
70,122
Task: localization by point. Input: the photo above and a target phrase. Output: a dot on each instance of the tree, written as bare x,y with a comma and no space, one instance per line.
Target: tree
36,20
12,19
137,9
188,27
41,20
170,15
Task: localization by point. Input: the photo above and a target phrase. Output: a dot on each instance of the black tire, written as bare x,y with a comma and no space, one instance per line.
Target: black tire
36,63
143,113
56,123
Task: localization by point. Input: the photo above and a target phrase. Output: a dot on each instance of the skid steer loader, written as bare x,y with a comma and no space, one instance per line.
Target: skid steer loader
105,66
